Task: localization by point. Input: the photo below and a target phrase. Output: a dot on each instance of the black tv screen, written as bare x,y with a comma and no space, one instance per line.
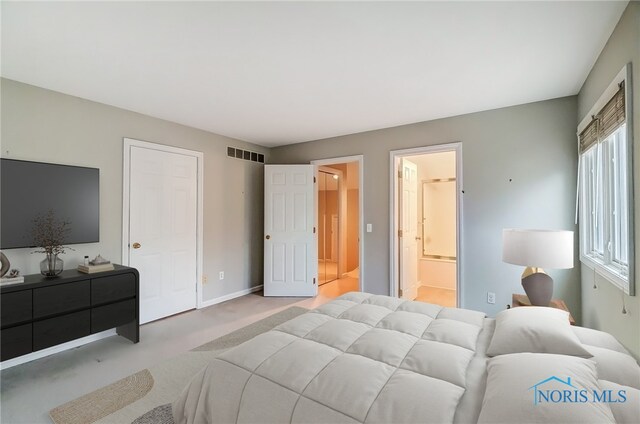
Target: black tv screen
29,189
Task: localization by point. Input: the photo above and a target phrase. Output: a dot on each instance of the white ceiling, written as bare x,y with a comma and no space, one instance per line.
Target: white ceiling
281,73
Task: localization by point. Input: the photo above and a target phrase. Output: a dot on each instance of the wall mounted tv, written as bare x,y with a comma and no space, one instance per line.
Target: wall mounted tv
32,188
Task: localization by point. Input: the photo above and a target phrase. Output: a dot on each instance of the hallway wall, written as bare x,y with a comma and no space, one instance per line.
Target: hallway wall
513,168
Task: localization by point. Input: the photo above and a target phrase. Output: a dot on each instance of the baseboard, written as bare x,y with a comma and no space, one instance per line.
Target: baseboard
230,296
437,287
56,349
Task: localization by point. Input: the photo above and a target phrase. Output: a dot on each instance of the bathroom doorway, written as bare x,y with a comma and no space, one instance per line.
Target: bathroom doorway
426,216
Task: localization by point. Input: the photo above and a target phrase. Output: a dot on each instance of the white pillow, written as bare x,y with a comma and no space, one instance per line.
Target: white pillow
535,329
591,337
616,367
627,412
518,383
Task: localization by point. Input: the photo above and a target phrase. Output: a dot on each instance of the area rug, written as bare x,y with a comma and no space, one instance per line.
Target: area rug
144,396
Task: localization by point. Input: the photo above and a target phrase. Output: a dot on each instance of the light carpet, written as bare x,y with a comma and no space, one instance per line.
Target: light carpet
146,393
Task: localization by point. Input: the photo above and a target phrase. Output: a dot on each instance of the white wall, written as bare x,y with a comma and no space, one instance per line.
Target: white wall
47,126
435,165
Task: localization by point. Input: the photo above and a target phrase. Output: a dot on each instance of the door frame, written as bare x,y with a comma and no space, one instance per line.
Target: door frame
126,180
394,240
360,160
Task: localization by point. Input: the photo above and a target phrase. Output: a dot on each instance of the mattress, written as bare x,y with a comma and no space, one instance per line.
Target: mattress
361,358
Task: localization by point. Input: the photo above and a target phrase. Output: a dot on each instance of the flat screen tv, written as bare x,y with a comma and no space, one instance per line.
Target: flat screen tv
29,189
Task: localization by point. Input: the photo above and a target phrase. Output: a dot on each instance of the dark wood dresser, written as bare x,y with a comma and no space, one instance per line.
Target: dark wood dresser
44,312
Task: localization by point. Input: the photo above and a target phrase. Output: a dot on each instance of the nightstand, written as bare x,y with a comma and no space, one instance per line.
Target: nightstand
523,300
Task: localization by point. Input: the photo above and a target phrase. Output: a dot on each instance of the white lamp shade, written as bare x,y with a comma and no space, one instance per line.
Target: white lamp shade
538,248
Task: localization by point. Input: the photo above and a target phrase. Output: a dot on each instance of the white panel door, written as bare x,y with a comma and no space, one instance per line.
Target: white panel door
409,227
163,230
290,245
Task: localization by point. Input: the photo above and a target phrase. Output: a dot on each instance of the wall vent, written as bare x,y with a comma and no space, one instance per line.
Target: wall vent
233,152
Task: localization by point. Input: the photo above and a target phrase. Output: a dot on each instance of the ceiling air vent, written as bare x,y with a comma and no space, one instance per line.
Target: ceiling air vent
233,152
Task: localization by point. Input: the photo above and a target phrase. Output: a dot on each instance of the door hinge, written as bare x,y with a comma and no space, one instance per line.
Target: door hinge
399,173
400,292
399,233
314,179
314,281
314,230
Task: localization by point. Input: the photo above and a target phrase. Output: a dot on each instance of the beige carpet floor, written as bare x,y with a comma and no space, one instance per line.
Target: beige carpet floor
133,396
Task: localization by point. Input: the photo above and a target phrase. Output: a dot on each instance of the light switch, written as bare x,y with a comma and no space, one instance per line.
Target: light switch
369,228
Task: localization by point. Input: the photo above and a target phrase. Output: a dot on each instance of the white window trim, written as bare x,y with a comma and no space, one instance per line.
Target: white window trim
611,273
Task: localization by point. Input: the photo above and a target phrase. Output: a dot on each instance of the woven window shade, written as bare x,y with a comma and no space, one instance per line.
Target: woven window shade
611,117
589,136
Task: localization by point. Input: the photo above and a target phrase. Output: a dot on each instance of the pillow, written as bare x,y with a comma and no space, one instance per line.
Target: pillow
542,388
591,337
535,329
627,412
616,367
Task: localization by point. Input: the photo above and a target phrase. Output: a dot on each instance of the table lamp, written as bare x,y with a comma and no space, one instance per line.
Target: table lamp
537,249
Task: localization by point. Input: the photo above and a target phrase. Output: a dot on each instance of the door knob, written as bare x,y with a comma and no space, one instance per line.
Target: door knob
136,245
267,236
418,238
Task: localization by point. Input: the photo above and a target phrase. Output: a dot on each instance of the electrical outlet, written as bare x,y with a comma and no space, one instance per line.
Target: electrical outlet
221,276
204,279
491,297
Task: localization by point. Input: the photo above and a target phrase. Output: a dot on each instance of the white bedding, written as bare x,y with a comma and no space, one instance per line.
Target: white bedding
359,359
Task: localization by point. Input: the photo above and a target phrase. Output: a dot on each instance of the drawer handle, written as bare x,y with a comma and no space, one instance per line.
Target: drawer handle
136,245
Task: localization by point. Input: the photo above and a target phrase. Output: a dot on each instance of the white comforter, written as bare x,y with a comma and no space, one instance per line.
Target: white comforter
361,358
375,359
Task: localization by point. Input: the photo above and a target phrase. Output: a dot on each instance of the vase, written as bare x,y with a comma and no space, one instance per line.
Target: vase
51,266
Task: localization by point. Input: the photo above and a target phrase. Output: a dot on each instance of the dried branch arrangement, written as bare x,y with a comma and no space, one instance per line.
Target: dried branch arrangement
49,233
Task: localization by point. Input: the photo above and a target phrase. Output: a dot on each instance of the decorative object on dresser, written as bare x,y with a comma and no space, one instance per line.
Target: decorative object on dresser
44,312
49,234
522,300
5,264
99,264
8,277
537,249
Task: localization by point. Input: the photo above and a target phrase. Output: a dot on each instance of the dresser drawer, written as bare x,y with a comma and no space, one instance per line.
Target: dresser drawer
15,341
15,308
112,288
61,298
53,331
114,315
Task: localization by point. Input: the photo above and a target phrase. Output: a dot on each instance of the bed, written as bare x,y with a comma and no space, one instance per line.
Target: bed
366,358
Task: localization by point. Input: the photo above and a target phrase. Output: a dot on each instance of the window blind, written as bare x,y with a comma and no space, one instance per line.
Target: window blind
610,118
589,136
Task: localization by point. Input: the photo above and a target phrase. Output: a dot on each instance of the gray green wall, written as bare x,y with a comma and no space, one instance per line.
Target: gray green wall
602,307
43,125
519,169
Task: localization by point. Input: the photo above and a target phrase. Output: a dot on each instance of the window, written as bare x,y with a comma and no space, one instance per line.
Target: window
605,192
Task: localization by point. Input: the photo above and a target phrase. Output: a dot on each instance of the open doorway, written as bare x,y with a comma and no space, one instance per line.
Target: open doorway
425,226
339,225
330,181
